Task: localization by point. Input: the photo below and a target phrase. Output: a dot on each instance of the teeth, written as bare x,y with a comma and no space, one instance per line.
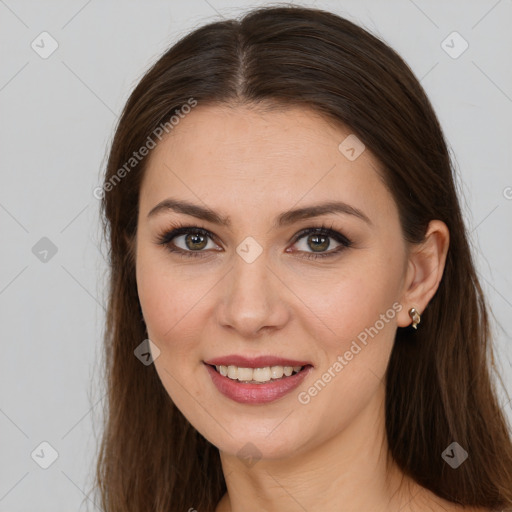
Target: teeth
276,372
243,373
233,372
257,375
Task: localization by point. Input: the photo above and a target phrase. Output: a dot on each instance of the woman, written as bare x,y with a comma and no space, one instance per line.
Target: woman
295,320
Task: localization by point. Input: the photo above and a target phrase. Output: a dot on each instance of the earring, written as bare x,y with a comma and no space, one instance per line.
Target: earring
415,316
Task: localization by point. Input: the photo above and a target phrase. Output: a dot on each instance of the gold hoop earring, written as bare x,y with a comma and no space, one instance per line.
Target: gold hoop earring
415,316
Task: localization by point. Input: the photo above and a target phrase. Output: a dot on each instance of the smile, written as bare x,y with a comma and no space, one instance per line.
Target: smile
257,375
258,385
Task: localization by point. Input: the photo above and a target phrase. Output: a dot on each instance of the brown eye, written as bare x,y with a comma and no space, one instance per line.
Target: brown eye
188,241
318,242
196,241
314,242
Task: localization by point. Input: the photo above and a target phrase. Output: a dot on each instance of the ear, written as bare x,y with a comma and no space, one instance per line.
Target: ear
424,270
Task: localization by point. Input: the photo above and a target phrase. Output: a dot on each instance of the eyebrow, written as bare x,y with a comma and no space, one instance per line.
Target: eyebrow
284,219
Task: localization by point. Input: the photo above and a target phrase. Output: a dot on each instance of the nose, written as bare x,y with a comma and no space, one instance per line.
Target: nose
253,300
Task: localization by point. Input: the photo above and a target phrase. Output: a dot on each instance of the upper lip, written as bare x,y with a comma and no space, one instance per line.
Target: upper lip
254,362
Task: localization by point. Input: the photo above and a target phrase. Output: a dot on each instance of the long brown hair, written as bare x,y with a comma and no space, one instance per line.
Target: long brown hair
439,383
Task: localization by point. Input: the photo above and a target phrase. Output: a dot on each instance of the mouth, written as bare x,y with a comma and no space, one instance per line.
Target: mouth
260,375
257,384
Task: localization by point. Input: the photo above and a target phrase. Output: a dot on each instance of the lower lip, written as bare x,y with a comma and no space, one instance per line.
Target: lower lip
256,393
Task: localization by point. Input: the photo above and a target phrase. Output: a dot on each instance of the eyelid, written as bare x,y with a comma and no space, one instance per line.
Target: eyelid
179,229
330,232
165,238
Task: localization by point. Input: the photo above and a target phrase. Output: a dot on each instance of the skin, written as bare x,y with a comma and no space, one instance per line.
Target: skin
329,454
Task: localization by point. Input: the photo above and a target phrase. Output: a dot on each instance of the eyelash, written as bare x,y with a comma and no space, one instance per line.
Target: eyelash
178,229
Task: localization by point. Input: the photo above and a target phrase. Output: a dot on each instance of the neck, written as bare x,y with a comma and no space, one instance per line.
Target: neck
349,471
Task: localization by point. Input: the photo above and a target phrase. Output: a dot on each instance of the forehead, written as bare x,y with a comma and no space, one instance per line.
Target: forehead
243,157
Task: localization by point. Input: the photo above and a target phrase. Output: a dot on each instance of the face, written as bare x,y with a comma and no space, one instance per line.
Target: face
319,289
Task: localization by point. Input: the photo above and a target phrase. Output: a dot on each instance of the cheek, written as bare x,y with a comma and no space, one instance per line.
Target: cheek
168,306
353,300
358,311
166,298
172,306
175,303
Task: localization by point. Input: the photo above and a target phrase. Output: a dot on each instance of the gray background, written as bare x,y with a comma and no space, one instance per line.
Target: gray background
57,119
